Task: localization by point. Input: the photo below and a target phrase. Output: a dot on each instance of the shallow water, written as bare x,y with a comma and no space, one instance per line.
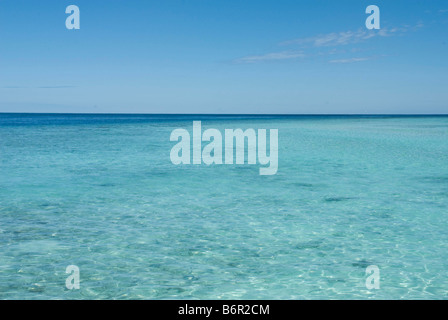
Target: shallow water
100,192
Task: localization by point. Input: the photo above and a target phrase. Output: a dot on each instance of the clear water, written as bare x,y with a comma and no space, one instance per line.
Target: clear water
101,193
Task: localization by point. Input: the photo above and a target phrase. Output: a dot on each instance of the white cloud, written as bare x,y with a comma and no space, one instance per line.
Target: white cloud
346,37
271,56
333,39
350,60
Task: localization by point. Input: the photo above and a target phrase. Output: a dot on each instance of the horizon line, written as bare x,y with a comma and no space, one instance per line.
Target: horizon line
228,114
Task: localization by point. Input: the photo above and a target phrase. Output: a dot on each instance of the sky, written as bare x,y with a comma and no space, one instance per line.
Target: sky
233,56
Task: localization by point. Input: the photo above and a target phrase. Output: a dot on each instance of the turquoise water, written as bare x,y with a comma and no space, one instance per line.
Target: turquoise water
100,192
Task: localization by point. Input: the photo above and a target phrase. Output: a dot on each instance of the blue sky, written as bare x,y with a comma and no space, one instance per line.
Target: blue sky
284,56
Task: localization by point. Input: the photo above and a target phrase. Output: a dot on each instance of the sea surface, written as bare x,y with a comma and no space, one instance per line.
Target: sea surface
100,192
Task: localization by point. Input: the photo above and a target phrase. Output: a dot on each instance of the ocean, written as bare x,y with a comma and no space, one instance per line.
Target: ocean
100,192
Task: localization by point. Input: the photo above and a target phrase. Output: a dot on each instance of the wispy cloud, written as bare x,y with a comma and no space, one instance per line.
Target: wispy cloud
349,60
271,56
347,37
309,45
